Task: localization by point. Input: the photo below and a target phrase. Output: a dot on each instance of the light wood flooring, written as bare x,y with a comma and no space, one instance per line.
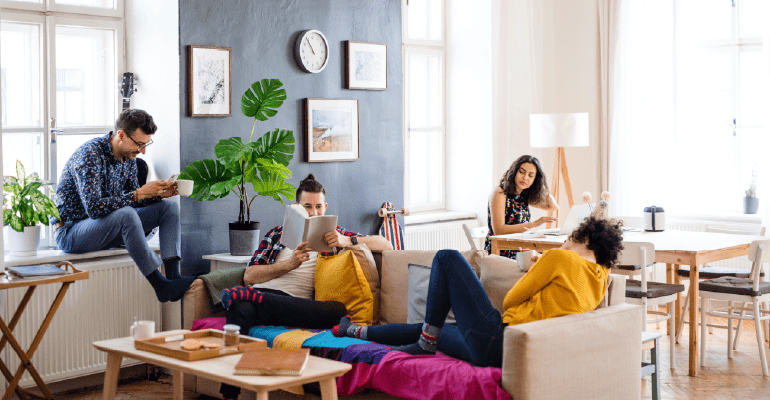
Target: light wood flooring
721,378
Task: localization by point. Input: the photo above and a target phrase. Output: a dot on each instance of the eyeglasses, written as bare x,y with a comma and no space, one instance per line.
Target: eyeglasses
141,145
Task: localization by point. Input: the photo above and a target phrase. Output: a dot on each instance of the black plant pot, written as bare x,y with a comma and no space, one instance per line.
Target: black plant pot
750,205
244,238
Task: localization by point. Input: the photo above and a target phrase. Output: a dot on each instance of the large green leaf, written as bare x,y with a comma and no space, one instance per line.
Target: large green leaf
261,100
270,167
231,151
274,186
277,145
211,178
16,223
20,173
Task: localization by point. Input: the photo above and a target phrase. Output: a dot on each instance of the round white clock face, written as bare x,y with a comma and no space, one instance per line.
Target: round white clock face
312,51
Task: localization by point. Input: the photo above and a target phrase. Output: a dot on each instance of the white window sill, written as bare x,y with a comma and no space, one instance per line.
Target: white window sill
55,256
437,216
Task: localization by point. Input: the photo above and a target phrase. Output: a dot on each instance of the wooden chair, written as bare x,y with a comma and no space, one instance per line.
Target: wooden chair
648,294
711,272
472,234
651,341
742,290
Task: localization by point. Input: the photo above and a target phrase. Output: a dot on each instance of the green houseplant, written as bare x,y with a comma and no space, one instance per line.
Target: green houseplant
27,207
261,163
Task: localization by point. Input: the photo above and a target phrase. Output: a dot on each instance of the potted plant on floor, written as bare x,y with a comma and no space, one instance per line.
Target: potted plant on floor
263,163
751,202
25,209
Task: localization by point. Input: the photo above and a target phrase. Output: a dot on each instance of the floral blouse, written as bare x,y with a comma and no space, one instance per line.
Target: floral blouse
516,212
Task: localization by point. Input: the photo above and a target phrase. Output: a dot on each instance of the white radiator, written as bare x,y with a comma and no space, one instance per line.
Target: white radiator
439,235
102,307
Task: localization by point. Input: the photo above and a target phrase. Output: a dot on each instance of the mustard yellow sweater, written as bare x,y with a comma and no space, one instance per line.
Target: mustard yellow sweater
559,283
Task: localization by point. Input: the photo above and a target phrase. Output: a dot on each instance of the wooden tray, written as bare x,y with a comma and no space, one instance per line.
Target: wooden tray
170,345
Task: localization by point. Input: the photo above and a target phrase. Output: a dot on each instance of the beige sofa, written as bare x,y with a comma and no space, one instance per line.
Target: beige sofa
596,355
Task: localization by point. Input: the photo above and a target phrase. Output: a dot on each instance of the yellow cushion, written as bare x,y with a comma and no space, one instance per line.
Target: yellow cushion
369,268
340,278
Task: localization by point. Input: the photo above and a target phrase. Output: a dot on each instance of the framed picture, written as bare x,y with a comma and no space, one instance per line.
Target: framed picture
366,65
209,75
331,130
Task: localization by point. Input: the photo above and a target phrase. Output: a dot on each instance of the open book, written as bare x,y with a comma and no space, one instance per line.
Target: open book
298,227
273,361
36,270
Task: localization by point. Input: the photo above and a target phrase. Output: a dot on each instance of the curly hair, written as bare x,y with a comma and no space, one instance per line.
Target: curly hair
309,185
604,237
131,120
535,194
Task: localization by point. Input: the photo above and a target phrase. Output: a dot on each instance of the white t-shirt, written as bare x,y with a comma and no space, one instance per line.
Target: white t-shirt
299,282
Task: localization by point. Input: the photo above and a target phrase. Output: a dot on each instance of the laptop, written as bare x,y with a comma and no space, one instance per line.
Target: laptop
575,217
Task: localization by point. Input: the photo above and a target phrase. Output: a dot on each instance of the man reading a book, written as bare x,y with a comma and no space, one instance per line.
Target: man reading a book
281,282
102,204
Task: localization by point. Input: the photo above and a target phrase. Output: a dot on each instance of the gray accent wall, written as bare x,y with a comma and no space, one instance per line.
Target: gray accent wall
261,34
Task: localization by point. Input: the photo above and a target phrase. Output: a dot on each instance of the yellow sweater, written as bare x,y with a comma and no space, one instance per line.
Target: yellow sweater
559,283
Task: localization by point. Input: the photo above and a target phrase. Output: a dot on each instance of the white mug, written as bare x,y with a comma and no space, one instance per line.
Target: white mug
184,187
525,259
142,329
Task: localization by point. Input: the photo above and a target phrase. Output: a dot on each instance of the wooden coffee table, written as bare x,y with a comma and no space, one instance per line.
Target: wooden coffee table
218,369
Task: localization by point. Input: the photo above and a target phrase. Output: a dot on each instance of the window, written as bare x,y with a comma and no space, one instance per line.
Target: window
424,105
59,67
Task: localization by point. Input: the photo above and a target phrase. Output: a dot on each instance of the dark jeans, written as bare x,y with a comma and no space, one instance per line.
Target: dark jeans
478,335
279,309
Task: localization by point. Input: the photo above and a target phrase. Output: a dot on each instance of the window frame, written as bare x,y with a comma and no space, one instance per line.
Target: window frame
412,47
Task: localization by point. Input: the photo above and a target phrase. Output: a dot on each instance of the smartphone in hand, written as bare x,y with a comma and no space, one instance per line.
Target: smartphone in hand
173,177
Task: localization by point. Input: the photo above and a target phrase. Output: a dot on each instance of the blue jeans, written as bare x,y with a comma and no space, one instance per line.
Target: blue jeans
478,335
126,226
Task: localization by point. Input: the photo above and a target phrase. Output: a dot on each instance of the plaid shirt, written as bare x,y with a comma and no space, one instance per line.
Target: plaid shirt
271,245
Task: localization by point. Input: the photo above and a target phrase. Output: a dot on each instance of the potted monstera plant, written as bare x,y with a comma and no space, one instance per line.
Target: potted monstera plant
261,163
25,209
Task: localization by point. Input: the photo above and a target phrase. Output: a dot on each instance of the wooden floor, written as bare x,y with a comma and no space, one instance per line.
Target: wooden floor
721,378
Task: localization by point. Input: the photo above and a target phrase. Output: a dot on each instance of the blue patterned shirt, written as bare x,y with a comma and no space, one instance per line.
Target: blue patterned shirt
93,183
271,245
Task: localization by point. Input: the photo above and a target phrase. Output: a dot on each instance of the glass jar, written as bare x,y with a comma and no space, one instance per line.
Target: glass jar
232,334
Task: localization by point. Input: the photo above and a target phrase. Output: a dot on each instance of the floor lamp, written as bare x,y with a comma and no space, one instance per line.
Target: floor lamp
559,131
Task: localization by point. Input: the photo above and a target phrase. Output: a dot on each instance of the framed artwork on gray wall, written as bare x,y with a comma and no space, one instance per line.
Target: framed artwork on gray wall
366,65
209,74
331,130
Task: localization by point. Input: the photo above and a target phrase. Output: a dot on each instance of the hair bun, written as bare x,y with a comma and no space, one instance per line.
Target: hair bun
310,177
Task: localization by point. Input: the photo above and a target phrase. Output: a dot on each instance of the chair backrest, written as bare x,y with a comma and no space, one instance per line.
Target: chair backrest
752,232
638,253
469,235
475,233
758,255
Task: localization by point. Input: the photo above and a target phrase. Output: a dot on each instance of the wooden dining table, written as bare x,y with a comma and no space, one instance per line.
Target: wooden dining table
674,248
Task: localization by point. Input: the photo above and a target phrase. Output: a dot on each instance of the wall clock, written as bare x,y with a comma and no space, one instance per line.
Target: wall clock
311,51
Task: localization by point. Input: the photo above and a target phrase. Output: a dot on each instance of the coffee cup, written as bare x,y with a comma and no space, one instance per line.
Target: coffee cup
184,187
142,329
525,259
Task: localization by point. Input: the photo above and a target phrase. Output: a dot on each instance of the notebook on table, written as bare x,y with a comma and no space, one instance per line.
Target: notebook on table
574,218
26,271
272,361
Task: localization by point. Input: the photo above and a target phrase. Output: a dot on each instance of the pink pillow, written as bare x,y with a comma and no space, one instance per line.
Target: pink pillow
209,323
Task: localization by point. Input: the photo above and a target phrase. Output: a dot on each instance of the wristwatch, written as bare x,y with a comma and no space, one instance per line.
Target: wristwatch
354,240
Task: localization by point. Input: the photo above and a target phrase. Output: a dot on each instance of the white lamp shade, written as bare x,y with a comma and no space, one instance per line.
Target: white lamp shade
558,130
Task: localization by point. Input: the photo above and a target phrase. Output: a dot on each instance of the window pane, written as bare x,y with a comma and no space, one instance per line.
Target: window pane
89,3
705,95
66,146
26,147
753,150
753,79
20,73
425,172
753,17
705,20
424,18
424,91
86,76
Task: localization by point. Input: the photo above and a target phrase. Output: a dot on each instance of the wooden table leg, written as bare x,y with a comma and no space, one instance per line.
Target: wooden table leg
678,305
670,279
111,376
694,298
178,385
328,389
495,247
262,395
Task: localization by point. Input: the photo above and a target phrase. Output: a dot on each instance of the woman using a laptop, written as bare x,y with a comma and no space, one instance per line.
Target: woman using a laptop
508,208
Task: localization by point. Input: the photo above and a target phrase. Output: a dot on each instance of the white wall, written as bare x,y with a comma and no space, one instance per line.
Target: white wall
469,107
152,54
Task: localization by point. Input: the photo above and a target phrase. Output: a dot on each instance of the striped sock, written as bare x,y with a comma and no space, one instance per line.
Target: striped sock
348,329
240,293
429,338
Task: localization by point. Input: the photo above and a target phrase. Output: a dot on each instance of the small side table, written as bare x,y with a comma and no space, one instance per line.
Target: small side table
26,364
226,261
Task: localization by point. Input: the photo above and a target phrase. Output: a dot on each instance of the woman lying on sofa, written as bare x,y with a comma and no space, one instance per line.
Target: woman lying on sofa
569,280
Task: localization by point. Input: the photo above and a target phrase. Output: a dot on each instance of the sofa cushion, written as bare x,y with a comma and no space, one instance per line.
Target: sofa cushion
340,278
369,268
417,298
498,275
